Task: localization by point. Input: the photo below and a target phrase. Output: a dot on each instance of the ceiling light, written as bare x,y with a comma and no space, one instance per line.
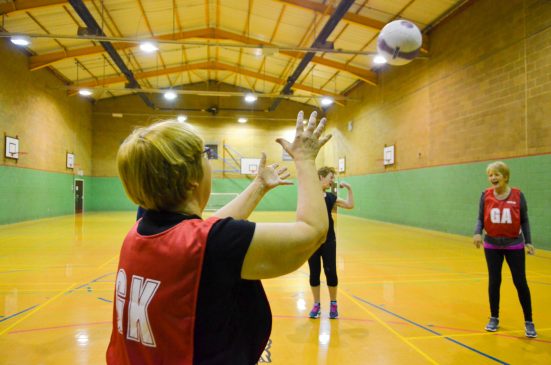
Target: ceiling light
149,47
379,59
242,120
170,95
85,92
181,118
250,98
325,101
21,40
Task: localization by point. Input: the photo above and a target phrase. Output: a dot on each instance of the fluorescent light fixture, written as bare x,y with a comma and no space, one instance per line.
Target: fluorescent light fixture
326,101
181,118
242,120
250,98
379,59
85,92
149,47
20,40
170,95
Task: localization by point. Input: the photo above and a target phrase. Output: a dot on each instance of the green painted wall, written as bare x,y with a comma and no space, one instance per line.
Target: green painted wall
441,198
282,198
446,198
27,194
107,194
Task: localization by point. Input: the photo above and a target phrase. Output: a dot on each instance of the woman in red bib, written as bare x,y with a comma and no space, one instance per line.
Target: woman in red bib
188,290
503,215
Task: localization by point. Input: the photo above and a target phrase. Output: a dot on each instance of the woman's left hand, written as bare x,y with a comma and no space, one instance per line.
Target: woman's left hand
530,249
270,176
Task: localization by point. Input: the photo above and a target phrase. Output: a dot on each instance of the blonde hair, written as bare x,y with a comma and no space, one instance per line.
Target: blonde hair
158,163
326,170
500,167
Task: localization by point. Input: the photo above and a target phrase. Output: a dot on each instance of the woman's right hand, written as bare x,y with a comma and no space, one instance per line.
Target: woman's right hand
477,240
307,142
344,184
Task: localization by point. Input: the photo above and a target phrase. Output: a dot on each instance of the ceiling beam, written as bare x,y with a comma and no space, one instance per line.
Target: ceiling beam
349,16
16,6
211,65
47,59
40,61
321,38
22,5
88,19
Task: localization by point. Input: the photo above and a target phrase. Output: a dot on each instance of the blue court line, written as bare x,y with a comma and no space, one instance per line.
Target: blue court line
18,313
105,300
88,283
431,331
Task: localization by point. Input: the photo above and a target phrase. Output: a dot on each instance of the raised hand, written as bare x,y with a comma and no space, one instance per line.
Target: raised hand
270,176
308,140
344,184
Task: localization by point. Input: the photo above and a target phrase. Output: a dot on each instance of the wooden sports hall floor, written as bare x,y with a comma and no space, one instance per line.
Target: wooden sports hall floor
407,296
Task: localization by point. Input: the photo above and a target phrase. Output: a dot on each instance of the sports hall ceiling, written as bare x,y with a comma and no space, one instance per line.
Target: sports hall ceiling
254,45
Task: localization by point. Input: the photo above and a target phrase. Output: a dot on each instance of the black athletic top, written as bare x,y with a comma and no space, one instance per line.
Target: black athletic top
234,320
330,200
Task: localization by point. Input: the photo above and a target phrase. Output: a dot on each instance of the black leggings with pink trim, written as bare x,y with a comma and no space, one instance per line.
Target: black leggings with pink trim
516,260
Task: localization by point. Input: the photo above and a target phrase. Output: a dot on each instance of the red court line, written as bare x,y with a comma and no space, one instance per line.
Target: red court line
58,327
453,329
523,338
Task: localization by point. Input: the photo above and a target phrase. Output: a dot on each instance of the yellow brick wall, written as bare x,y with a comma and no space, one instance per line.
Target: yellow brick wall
248,140
483,93
35,107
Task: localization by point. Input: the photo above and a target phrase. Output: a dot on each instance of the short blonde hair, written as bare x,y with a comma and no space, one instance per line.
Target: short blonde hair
158,163
500,167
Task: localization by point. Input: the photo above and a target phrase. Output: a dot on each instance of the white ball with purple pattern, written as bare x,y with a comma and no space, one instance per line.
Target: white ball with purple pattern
399,42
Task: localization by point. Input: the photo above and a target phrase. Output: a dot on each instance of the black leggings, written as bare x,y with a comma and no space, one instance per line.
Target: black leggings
516,260
327,252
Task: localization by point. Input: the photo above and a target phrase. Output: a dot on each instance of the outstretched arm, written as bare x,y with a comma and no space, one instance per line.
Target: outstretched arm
280,248
268,177
349,202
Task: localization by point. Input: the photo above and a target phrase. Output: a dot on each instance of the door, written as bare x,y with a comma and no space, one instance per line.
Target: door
79,195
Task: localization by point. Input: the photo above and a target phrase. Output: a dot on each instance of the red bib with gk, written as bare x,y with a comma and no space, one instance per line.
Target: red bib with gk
156,295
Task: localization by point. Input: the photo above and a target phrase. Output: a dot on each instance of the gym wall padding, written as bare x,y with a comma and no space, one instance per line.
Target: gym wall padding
446,198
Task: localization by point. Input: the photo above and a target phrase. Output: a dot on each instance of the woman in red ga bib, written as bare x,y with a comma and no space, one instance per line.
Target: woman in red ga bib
503,215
